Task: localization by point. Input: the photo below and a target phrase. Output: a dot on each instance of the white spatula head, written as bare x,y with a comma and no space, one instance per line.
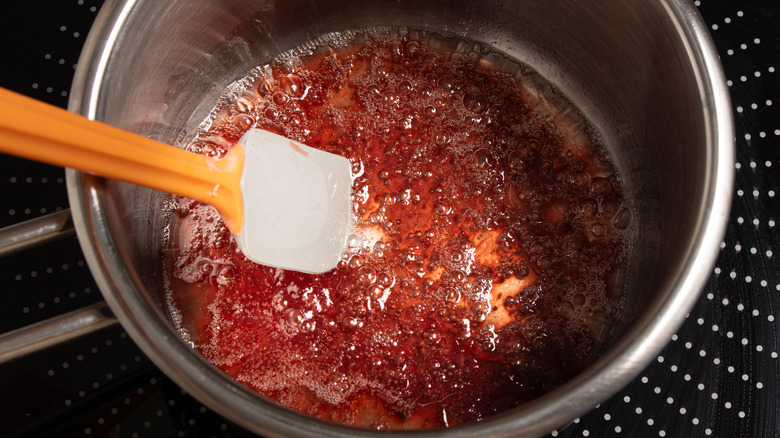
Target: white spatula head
297,204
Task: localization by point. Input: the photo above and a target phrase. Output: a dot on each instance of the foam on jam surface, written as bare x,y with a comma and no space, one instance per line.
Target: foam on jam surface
485,265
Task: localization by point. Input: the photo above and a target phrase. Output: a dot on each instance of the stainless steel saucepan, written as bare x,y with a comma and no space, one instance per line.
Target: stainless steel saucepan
643,71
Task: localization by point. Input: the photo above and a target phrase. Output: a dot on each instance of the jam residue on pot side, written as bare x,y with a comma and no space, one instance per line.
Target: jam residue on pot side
487,257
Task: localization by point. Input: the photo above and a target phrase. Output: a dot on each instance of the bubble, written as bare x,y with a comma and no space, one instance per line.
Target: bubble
514,344
441,138
579,179
513,195
475,102
516,162
521,271
280,98
429,111
482,158
600,186
380,246
271,113
404,196
425,90
447,82
376,291
375,218
623,219
386,199
538,247
598,229
479,307
452,295
405,87
354,241
430,57
510,301
389,97
357,167
213,150
385,279
458,57
243,121
293,317
196,147
245,104
205,267
412,47
355,262
396,48
441,208
366,275
495,111
226,274
307,326
589,207
353,323
543,263
565,309
609,208
457,276
265,88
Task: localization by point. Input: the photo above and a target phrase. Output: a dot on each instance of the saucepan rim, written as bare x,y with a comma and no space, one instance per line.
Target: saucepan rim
148,328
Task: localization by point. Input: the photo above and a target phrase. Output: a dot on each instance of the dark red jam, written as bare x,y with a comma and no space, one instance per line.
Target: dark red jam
481,274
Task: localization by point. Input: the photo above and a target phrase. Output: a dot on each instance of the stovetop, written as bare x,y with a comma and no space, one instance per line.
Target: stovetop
718,376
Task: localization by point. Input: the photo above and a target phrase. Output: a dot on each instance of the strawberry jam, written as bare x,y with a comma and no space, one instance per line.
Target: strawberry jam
491,233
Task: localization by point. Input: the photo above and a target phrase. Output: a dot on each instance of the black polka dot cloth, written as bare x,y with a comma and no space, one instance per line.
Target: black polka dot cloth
718,376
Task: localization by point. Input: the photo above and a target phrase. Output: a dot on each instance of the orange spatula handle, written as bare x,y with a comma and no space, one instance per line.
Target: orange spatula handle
41,132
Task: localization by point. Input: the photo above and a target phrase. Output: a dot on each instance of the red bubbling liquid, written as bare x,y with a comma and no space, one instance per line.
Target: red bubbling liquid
491,229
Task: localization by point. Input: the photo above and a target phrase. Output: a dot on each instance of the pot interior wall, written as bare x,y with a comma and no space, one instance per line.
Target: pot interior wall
612,58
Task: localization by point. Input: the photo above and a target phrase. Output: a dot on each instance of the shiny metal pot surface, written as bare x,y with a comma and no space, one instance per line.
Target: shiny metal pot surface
644,71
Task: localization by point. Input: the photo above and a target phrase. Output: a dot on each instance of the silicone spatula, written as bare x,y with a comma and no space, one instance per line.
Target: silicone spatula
286,204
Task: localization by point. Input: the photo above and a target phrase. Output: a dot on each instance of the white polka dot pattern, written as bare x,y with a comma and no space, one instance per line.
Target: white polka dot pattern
717,376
